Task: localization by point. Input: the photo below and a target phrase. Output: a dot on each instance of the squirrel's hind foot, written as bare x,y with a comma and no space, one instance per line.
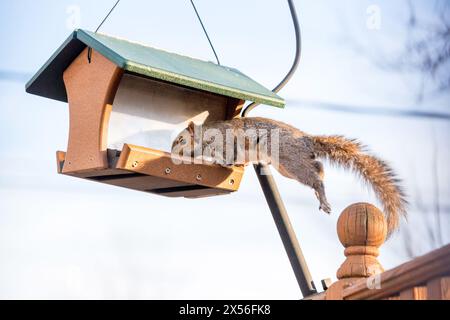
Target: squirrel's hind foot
325,207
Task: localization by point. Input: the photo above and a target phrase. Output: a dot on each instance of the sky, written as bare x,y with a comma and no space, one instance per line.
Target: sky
67,238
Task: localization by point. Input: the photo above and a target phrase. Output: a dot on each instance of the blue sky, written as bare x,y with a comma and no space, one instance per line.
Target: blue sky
66,238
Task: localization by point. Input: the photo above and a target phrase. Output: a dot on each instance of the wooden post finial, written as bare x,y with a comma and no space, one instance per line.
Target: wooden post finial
362,229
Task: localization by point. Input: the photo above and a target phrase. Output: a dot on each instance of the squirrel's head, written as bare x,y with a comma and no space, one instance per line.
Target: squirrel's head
184,143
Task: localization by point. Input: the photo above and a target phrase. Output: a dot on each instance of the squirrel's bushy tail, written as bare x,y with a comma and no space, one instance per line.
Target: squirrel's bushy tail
350,154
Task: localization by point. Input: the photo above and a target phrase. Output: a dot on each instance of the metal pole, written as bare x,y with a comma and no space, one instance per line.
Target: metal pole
272,194
285,230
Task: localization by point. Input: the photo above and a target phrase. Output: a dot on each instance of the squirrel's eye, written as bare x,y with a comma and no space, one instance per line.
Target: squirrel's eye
182,141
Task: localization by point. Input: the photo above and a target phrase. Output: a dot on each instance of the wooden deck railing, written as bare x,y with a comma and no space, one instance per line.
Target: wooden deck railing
362,230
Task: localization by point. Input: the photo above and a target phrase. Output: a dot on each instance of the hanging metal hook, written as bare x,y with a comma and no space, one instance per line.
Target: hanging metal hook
298,51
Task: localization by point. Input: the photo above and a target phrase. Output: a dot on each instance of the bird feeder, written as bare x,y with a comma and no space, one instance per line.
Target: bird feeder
126,103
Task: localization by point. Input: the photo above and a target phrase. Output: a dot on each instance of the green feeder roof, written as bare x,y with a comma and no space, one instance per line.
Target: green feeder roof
149,62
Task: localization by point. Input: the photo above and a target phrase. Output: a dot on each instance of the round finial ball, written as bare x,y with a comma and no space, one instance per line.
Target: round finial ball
362,224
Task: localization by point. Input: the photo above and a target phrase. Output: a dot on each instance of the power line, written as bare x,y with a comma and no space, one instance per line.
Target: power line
22,77
206,33
382,111
14,76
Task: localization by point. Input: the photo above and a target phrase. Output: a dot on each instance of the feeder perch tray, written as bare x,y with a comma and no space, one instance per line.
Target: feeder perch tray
153,171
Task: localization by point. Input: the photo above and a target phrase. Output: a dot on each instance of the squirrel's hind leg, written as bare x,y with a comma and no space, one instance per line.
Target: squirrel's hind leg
308,172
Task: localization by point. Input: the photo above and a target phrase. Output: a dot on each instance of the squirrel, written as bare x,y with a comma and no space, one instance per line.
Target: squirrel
293,153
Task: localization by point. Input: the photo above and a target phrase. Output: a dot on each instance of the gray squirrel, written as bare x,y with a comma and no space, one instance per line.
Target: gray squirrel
293,153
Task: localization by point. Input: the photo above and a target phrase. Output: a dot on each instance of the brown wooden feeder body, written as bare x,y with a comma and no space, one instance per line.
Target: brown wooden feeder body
91,88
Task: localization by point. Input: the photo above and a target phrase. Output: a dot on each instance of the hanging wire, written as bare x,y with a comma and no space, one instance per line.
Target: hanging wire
107,16
298,50
100,25
206,33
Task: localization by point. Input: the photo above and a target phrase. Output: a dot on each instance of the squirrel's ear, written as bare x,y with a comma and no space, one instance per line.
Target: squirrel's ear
191,127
